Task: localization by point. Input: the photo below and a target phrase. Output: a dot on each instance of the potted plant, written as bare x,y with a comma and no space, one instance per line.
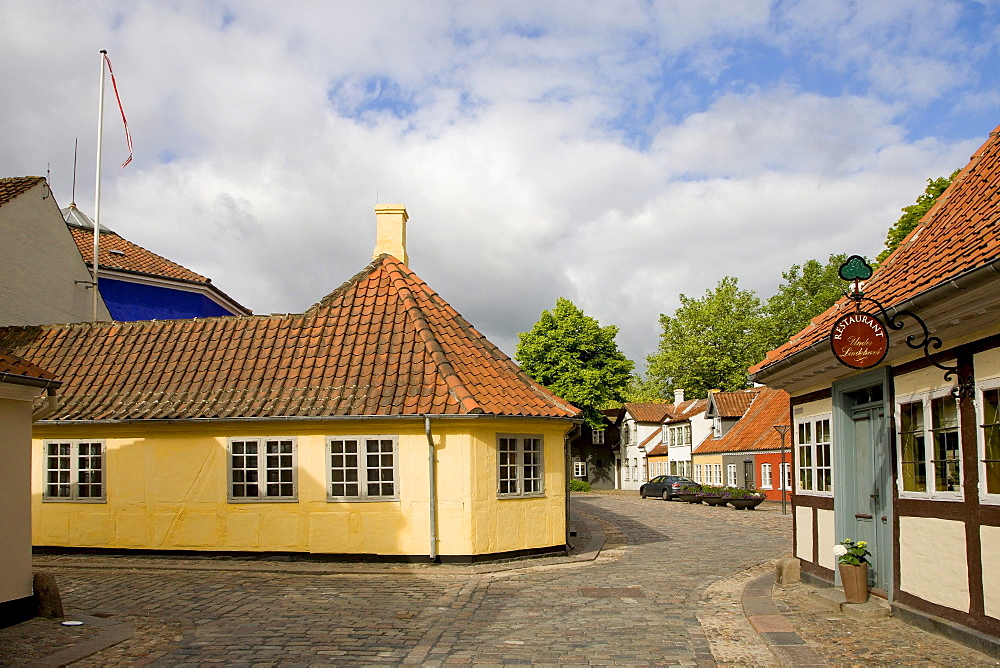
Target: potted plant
743,499
852,561
712,495
689,492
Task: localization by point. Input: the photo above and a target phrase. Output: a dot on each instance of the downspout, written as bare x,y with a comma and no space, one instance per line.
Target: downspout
568,456
432,489
51,403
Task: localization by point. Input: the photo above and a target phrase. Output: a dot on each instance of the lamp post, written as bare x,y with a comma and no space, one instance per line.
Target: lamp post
782,429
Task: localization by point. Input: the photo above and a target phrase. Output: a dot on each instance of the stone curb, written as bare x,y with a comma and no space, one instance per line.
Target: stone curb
764,616
111,634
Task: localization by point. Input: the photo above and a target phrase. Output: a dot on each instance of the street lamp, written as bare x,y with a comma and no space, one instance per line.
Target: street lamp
782,429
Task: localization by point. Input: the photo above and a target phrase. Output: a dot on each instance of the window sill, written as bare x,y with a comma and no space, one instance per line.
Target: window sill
44,500
295,500
508,497
347,499
923,496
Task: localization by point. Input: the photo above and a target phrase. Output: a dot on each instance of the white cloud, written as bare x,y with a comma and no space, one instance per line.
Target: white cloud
541,150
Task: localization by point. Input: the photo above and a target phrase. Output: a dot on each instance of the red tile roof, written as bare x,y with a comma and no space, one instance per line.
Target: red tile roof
755,429
686,410
960,233
648,412
383,343
15,366
130,257
13,186
732,404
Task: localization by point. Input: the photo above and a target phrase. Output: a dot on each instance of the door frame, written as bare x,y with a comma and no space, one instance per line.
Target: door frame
844,491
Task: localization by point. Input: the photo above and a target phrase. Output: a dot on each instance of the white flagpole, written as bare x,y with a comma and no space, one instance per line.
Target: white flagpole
97,189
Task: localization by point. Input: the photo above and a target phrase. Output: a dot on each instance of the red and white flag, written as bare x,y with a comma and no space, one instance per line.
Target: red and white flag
128,135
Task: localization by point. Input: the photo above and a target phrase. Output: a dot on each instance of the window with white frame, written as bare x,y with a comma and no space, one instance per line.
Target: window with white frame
579,469
786,476
597,437
929,447
697,473
635,469
814,448
717,470
989,441
765,476
717,427
262,469
626,470
519,459
362,468
731,475
74,471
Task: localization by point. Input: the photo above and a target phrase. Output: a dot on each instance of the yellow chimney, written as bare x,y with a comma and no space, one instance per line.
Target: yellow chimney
390,231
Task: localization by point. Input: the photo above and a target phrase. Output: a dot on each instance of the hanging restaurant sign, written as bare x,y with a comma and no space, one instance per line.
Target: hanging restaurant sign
859,340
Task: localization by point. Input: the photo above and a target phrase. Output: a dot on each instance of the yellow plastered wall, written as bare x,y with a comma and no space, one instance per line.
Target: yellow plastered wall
167,490
708,460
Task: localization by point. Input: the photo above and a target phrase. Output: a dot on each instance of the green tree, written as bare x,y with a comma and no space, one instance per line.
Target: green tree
643,391
914,212
807,291
709,342
571,354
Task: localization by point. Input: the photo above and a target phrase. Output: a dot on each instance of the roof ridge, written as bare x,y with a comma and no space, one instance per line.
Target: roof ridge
426,334
347,285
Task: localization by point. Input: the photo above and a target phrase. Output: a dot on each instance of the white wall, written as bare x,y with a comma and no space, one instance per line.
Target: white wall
41,264
933,562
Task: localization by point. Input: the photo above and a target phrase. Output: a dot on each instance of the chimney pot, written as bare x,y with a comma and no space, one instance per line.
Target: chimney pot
390,231
679,395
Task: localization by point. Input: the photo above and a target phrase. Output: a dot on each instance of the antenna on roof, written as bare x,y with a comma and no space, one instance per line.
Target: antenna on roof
48,180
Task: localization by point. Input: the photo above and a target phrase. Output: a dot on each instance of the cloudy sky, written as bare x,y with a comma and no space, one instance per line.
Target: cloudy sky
614,153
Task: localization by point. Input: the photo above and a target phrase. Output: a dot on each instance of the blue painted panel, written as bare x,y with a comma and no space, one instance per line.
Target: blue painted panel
136,301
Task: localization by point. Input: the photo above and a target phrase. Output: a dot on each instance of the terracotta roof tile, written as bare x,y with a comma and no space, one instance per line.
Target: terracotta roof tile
381,344
15,366
649,412
122,255
961,232
732,404
11,187
755,429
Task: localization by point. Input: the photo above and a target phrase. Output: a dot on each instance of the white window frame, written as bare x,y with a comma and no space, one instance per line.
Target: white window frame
717,470
717,427
626,470
926,400
579,469
697,473
766,480
512,481
786,476
263,471
74,484
731,475
352,476
815,447
597,437
982,387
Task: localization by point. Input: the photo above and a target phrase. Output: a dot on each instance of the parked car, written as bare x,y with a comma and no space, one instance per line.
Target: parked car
666,487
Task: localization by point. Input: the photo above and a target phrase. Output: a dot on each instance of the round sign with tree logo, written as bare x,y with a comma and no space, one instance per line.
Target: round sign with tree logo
859,340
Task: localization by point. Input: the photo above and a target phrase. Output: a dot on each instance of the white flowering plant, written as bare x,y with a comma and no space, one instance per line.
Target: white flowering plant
850,552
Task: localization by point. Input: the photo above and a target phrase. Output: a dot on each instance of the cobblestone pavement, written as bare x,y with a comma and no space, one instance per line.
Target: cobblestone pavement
666,589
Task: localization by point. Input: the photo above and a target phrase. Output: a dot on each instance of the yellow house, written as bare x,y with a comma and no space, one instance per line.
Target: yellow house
378,422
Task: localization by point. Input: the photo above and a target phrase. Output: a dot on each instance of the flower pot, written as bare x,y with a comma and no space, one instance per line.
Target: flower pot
689,497
714,500
745,504
855,581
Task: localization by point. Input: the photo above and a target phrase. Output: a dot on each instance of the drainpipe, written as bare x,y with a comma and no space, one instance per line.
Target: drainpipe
51,403
50,387
432,489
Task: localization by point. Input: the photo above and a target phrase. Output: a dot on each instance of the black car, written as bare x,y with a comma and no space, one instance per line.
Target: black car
666,487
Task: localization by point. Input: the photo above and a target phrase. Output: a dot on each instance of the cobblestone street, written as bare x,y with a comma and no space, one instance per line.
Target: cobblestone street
665,590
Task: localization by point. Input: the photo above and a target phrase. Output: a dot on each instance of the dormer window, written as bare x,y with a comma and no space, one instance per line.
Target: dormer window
717,427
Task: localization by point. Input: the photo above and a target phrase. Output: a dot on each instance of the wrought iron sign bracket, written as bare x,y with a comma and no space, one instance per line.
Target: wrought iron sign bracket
856,269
